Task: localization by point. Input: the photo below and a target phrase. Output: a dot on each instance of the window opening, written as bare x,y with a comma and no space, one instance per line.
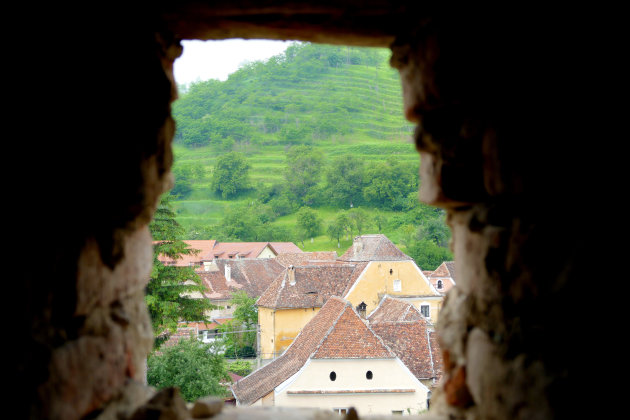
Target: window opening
397,285
369,375
425,310
332,375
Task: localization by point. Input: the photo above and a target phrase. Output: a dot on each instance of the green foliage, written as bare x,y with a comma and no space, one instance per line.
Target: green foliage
240,332
231,174
309,223
389,183
194,367
428,255
339,227
304,164
240,367
166,293
360,219
345,181
322,127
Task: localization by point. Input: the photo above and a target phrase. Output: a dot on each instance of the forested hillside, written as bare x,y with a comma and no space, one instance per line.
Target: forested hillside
309,146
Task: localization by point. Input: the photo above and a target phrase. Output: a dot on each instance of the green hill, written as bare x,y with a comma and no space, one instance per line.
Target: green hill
318,126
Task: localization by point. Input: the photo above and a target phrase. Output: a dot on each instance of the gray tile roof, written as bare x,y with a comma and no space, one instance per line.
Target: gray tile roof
374,248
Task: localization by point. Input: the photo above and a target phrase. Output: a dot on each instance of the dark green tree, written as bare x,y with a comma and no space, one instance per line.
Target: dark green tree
304,166
344,181
231,175
360,219
240,332
194,367
168,292
428,255
338,227
309,223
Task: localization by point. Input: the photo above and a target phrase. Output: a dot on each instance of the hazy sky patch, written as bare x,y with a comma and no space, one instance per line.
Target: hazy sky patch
204,60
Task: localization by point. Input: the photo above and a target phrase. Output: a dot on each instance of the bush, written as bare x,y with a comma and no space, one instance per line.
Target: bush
192,366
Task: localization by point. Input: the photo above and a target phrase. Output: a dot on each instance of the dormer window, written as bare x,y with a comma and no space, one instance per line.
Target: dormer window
439,284
397,285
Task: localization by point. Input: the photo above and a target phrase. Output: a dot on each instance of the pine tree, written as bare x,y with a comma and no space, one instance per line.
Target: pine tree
167,294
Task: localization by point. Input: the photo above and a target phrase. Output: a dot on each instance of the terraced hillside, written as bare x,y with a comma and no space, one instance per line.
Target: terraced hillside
342,106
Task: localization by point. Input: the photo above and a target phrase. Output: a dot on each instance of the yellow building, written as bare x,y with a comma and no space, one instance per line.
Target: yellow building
370,270
337,362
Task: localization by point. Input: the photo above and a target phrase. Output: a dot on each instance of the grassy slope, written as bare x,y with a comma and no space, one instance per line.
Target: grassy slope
378,131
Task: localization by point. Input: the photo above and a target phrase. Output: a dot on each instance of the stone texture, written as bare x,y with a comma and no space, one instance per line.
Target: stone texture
206,407
167,404
488,95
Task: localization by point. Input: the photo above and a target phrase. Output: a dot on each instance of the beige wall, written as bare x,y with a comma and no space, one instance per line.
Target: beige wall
376,281
435,304
388,374
266,253
278,328
222,310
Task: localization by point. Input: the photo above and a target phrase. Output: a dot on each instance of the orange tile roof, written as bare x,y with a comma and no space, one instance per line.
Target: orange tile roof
394,310
408,334
264,380
203,246
247,249
351,338
446,273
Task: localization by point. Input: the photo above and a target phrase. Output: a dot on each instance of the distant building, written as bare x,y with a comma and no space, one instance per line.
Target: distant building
209,250
443,278
370,270
336,362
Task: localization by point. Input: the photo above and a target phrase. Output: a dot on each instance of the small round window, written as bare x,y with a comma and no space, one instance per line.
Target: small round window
368,374
333,376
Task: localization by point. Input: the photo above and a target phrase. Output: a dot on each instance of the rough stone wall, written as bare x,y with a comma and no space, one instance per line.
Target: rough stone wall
99,179
482,90
491,156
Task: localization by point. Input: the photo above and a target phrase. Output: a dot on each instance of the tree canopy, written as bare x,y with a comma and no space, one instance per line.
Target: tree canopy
197,369
231,175
168,292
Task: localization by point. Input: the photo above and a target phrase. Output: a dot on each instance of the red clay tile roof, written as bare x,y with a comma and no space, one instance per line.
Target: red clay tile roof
246,249
446,273
305,258
374,248
252,275
351,338
314,284
203,246
262,381
407,333
394,310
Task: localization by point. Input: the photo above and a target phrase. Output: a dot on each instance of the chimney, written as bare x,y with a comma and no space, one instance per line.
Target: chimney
357,246
291,275
361,309
228,272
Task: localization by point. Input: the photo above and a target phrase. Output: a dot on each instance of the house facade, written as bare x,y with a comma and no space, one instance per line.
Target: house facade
336,362
370,270
443,278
